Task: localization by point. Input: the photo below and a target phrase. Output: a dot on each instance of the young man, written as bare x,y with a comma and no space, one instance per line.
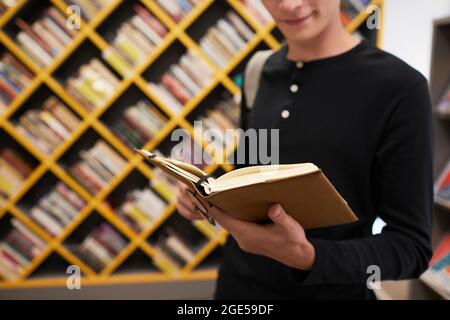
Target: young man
364,117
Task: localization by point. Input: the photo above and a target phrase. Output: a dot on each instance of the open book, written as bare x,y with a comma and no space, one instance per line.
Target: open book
247,193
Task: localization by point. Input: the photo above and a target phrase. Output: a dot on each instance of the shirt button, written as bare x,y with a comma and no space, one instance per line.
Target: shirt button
294,88
299,65
285,114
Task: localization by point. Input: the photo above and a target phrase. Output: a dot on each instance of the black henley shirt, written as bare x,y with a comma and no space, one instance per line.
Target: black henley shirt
364,118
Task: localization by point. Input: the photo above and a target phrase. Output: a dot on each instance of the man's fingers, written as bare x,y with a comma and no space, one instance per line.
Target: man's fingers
277,214
184,199
185,204
181,190
220,217
229,223
188,212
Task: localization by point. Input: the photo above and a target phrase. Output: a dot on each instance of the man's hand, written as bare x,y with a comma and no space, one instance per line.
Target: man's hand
284,240
185,204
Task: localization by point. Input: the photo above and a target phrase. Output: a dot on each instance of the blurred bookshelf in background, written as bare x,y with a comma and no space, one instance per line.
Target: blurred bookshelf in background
74,104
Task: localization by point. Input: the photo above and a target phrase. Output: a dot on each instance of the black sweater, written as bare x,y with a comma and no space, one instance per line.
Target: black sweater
364,118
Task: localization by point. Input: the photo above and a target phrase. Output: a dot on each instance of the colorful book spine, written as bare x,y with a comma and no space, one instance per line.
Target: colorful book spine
442,187
97,166
100,246
134,41
438,274
92,85
182,81
6,4
14,77
257,10
45,38
139,124
13,172
90,8
50,126
56,209
140,208
18,248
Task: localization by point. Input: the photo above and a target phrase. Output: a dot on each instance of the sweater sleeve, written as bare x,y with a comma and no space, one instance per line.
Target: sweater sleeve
402,184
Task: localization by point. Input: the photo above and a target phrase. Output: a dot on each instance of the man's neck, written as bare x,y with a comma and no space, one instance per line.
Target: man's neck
333,41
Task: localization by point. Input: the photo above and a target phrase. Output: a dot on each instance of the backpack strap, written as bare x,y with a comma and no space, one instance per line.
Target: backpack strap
252,75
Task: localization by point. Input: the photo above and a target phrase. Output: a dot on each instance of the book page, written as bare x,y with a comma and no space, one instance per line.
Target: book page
260,174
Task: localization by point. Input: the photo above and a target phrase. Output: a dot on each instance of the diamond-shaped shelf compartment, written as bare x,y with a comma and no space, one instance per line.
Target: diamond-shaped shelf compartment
87,78
137,203
20,247
52,205
45,120
221,33
96,242
178,77
92,162
177,241
134,33
16,77
16,165
134,119
39,30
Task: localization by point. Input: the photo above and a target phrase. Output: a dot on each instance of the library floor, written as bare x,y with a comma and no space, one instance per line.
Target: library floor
163,290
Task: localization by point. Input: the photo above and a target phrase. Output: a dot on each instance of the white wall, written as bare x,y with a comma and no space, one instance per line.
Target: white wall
407,31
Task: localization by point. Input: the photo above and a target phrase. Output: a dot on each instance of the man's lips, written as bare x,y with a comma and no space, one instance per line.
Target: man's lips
296,21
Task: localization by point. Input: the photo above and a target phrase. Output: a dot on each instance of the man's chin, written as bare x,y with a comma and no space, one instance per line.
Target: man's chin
301,37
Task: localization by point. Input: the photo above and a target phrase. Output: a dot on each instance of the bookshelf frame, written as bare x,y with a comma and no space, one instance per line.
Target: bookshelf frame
439,80
91,120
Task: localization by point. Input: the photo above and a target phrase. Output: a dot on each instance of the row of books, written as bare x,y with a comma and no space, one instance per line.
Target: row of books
350,9
56,210
438,274
49,126
257,10
140,208
182,81
100,246
45,38
139,124
97,166
14,77
222,116
18,249
92,85
226,38
13,171
89,8
177,9
134,41
212,128
6,4
173,251
443,106
442,187
164,185
98,249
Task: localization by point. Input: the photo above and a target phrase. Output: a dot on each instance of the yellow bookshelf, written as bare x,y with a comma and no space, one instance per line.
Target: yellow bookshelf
264,37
